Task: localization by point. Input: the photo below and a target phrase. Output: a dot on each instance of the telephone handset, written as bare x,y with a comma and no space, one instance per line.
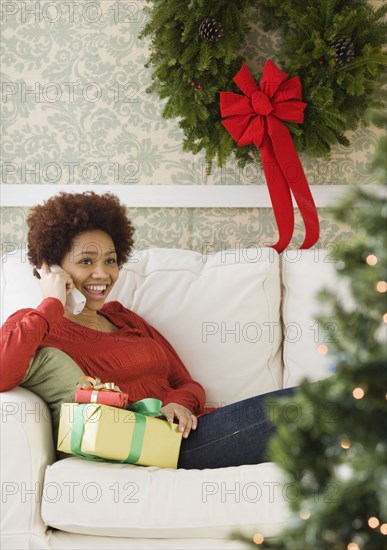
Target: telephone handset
75,300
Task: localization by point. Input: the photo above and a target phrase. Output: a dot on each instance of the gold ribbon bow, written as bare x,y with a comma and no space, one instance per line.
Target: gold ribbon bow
95,385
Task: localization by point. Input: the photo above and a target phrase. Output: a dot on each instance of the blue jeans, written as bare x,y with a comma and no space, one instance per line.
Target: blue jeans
231,436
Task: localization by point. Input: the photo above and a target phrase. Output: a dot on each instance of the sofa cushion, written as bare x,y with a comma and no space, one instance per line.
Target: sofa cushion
123,500
307,352
221,312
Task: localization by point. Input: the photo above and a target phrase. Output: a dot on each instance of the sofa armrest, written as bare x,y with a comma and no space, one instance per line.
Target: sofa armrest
27,447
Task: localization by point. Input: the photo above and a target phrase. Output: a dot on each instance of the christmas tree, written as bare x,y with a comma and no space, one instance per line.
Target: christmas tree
335,452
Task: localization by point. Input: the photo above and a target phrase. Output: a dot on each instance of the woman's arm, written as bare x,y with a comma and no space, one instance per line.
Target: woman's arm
21,336
24,331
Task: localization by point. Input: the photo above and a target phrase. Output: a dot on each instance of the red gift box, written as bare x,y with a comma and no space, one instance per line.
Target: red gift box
91,390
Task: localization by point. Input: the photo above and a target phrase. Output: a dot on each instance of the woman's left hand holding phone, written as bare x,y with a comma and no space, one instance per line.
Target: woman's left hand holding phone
55,284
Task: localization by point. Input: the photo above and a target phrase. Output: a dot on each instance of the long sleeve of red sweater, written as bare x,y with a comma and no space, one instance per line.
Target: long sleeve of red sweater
136,357
21,336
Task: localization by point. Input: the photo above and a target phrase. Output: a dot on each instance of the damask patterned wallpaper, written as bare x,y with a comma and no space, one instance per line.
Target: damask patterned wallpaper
75,111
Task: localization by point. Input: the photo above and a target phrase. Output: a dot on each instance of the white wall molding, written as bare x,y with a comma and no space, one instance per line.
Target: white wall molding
175,196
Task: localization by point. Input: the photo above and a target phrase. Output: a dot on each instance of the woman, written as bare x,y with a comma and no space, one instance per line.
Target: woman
48,349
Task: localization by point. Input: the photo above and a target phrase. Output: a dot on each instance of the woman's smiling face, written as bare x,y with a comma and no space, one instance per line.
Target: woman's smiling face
92,264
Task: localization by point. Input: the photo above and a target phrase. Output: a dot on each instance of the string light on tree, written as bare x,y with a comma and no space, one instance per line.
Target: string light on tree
371,259
305,514
381,286
343,472
373,522
358,393
323,349
258,538
345,444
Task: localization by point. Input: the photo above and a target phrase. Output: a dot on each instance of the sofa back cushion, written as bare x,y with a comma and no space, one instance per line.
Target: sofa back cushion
221,312
307,343
217,310
19,288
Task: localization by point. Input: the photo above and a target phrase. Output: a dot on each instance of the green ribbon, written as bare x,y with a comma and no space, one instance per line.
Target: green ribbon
142,408
148,406
77,431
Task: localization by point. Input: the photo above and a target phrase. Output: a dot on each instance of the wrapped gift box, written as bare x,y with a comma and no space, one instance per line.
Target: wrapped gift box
105,397
91,390
99,431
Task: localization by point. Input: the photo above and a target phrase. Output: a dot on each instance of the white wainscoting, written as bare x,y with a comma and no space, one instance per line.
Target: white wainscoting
176,196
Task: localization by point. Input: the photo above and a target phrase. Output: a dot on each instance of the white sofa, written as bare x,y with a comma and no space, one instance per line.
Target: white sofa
243,321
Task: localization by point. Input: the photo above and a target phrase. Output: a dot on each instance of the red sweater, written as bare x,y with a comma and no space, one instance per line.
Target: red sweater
137,357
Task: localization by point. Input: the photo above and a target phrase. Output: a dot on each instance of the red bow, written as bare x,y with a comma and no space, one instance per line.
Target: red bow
256,118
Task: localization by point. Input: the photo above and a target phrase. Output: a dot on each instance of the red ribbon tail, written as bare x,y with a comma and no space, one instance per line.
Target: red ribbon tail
286,155
280,195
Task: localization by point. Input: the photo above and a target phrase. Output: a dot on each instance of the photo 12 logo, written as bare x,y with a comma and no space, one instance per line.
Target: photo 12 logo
69,11
69,92
88,492
268,492
68,172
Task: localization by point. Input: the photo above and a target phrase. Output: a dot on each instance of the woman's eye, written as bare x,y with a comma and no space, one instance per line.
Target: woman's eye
89,261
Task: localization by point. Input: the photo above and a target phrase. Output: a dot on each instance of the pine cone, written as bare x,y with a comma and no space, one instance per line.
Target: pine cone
345,50
210,30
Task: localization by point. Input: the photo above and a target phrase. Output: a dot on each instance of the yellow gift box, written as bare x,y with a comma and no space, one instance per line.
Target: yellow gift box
103,432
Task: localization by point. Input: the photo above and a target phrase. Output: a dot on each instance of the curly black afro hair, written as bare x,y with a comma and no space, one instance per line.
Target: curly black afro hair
54,225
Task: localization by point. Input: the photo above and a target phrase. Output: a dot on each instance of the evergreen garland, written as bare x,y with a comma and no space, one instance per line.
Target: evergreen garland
189,72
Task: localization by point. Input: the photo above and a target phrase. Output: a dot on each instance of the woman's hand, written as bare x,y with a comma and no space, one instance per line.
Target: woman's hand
55,284
187,420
